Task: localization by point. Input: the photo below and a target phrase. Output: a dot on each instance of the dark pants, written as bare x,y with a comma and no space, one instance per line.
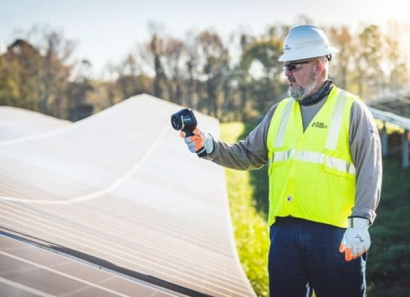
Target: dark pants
304,257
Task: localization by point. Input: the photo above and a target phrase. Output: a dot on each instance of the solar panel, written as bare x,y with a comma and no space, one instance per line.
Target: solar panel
118,198
17,122
29,271
396,102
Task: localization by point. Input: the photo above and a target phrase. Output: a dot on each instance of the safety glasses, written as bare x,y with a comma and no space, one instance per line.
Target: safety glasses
292,67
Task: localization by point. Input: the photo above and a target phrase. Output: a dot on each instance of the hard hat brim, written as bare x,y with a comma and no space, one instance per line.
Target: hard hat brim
286,57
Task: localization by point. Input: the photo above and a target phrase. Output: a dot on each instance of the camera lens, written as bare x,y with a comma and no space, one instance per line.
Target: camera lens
176,122
184,120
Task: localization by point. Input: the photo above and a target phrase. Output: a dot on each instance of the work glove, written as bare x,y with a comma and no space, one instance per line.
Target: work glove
356,240
200,143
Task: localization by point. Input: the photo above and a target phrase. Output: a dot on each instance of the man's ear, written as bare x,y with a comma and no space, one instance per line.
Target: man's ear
320,67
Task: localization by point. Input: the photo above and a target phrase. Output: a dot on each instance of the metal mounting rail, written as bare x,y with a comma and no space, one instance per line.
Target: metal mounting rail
388,117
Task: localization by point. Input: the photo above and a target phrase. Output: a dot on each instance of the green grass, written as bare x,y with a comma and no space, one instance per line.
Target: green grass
388,266
250,228
388,269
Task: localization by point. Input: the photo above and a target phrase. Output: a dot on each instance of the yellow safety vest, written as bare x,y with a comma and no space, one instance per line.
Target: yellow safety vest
311,172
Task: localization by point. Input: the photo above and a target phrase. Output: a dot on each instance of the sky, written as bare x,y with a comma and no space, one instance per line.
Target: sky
106,31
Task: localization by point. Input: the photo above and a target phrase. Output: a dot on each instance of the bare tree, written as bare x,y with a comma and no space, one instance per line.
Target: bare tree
174,61
265,85
214,63
192,71
342,62
367,61
55,70
396,57
154,52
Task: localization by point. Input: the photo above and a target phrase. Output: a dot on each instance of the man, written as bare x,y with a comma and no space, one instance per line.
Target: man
325,168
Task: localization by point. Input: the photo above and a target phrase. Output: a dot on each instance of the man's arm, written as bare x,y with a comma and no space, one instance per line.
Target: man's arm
366,153
246,154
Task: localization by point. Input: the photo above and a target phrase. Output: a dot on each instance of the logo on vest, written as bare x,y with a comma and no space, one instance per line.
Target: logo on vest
319,125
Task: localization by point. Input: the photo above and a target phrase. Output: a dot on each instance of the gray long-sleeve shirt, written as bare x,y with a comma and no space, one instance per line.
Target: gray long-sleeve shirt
365,150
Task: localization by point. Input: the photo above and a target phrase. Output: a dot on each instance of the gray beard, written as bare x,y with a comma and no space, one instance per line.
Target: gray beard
299,93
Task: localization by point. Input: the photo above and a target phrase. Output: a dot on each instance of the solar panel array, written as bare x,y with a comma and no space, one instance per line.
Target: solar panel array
113,205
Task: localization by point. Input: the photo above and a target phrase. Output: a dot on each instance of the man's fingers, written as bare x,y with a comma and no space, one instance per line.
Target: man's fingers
198,142
348,254
198,145
197,139
356,239
194,138
197,133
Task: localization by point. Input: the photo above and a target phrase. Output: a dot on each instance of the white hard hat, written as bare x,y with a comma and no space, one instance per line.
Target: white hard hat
304,42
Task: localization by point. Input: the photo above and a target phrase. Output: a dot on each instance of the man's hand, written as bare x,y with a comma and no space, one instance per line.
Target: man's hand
356,240
200,143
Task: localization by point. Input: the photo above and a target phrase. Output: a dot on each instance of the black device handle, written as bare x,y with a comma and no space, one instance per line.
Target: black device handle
188,132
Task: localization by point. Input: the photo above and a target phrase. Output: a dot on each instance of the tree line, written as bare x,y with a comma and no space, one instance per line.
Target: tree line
234,80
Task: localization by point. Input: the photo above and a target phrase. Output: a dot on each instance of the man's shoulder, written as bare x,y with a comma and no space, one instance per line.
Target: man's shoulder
347,93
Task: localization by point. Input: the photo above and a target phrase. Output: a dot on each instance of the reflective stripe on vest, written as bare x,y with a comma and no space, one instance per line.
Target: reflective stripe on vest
315,157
